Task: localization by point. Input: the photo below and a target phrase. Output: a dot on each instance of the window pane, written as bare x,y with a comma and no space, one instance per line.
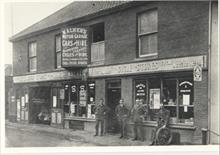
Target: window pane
32,49
58,43
148,44
148,22
98,32
97,52
59,60
169,98
33,64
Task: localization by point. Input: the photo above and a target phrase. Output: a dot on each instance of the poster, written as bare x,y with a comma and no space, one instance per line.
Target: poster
186,99
26,98
62,94
53,119
22,101
59,118
82,96
74,46
54,101
18,109
154,99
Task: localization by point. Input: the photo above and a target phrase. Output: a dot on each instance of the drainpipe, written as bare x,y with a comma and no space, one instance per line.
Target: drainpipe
209,68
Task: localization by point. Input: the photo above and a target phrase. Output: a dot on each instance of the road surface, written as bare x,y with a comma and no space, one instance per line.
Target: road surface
26,138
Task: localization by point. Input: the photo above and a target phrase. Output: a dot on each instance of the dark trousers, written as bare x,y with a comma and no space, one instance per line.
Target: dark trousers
139,126
99,121
123,125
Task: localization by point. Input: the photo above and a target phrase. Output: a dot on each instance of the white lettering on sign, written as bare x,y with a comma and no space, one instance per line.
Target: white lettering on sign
149,66
61,75
74,46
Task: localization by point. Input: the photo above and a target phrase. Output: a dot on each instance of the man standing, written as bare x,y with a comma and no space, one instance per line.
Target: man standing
122,114
100,112
138,112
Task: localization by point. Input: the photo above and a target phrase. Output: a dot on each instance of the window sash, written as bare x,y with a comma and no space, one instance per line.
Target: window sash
148,45
32,49
148,22
33,64
58,59
58,43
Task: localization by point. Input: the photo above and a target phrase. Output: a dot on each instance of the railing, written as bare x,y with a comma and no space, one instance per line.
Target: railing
98,52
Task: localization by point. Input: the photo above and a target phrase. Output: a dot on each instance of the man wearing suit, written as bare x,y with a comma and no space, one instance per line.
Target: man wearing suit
122,114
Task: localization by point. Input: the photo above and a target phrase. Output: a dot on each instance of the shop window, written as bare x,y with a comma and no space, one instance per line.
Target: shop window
186,97
76,98
98,45
175,94
147,33
32,56
56,100
58,51
169,96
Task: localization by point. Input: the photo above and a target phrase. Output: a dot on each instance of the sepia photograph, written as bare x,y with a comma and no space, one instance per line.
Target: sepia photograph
121,74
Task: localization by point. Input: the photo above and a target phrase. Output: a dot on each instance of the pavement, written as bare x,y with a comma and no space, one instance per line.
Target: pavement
45,135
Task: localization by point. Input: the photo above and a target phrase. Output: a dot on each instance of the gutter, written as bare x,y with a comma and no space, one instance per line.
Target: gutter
209,68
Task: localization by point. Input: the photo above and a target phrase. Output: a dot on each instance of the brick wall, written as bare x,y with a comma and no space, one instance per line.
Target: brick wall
45,53
182,31
200,106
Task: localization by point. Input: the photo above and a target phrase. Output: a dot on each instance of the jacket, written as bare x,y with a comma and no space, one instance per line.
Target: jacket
121,111
101,111
138,113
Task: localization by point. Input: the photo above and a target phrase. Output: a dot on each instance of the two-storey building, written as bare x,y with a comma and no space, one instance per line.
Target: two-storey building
156,51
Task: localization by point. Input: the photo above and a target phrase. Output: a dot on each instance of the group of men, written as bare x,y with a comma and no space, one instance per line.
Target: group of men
137,114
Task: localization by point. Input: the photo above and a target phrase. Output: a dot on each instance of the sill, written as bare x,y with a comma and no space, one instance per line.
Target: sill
147,57
77,118
172,126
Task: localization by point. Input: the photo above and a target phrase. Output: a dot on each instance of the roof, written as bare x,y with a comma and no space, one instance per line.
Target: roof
73,11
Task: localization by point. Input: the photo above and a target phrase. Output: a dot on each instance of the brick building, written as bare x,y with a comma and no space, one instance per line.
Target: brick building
128,50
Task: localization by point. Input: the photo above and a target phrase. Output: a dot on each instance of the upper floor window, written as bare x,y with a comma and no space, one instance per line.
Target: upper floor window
98,45
58,51
32,56
147,33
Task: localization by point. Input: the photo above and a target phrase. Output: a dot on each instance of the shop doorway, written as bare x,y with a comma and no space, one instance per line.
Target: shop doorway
113,97
40,105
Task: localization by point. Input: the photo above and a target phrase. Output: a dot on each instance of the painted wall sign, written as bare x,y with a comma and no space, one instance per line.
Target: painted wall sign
74,47
149,66
61,75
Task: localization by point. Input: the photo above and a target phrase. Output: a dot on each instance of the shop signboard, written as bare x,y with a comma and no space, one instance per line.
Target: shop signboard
164,65
74,46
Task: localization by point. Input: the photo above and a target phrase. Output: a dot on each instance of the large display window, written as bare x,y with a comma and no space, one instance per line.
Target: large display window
176,94
79,99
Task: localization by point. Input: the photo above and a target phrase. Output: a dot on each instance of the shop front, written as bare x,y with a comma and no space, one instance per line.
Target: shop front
170,82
